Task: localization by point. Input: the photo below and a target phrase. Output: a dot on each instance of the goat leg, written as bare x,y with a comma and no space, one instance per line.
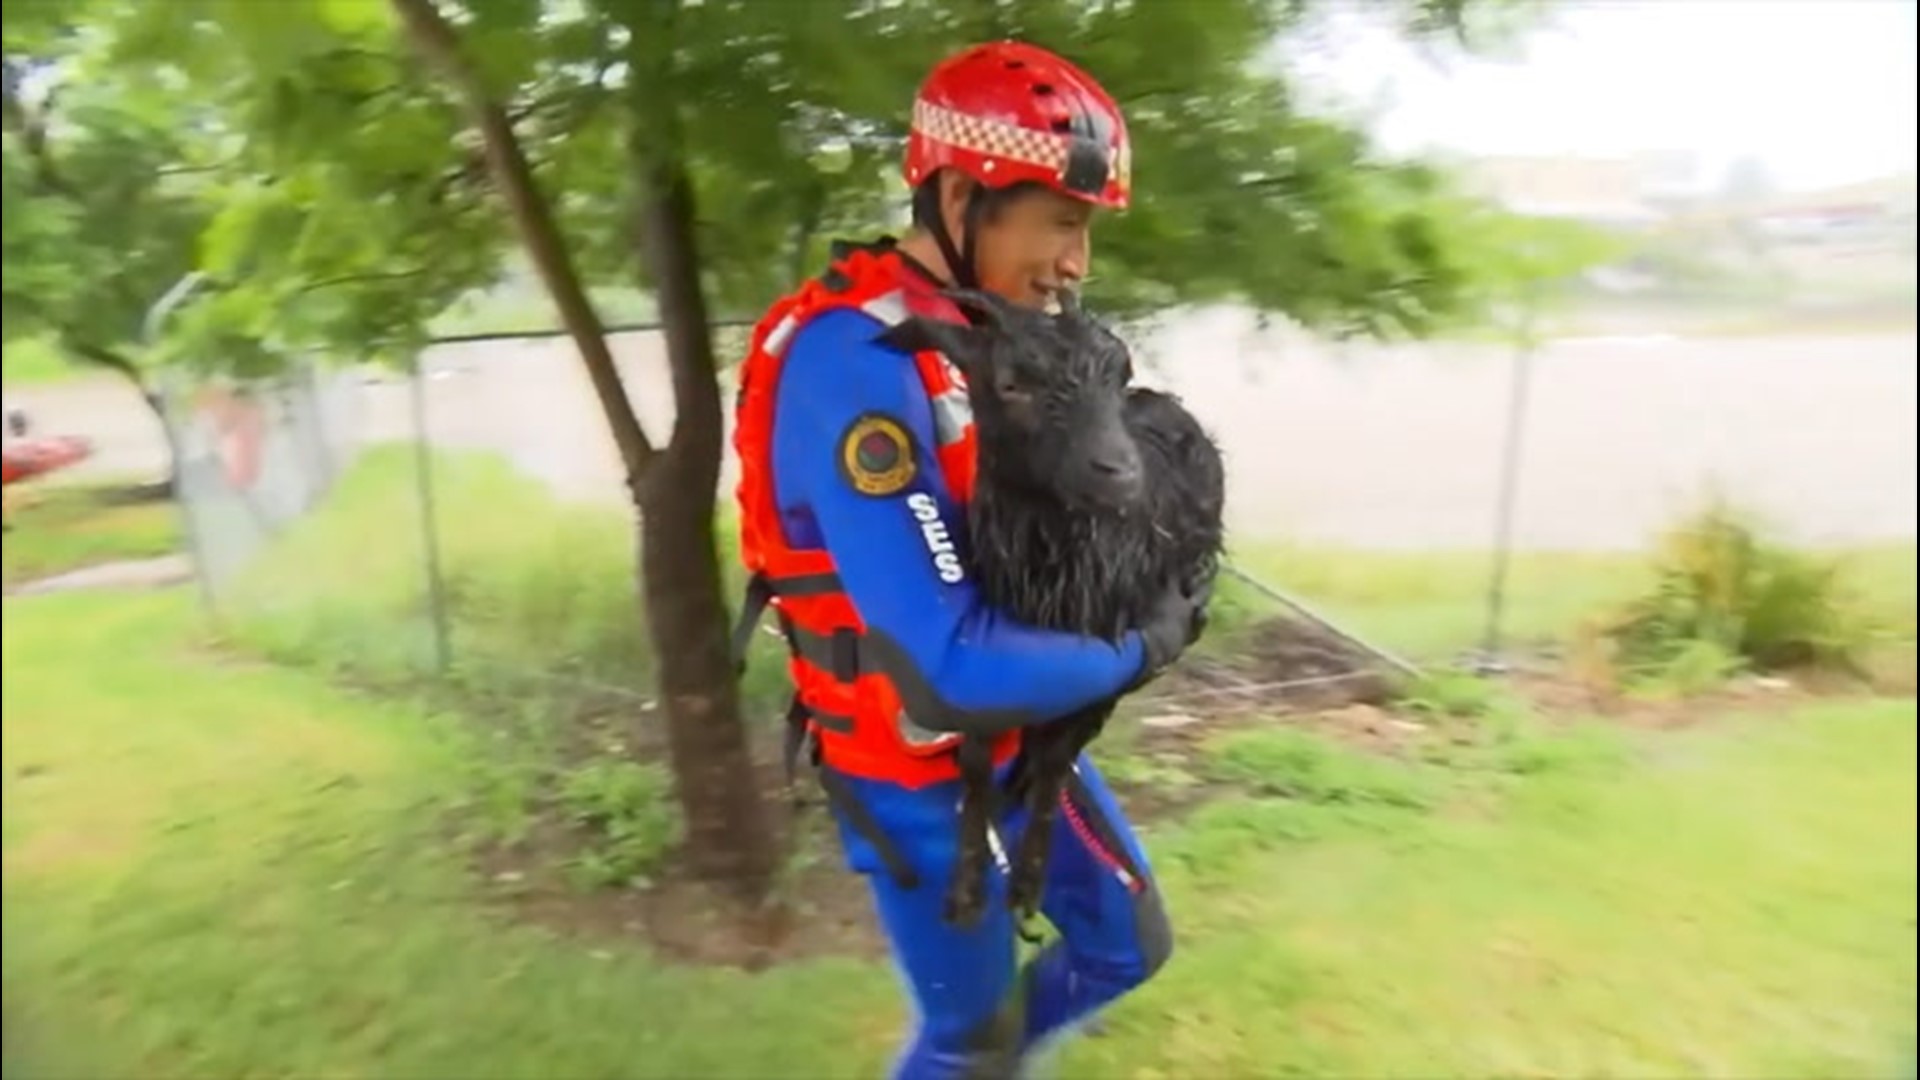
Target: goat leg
1049,753
1028,878
966,899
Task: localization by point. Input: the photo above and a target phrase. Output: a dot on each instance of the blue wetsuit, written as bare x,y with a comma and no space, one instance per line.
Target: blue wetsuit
975,1019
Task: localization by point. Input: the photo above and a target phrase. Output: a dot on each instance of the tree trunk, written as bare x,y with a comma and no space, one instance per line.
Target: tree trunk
687,614
533,219
728,839
120,364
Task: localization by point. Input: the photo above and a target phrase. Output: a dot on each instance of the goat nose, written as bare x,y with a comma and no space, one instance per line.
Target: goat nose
1118,468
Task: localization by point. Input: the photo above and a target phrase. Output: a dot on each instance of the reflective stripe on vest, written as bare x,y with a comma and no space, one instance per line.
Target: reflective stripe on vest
952,409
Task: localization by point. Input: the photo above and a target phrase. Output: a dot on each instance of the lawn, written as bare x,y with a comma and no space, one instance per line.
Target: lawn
58,527
223,867
536,586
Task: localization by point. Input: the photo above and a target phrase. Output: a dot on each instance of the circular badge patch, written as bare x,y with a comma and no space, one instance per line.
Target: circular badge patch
876,454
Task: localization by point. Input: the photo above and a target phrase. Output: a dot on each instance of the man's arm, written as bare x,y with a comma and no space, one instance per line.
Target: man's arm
851,412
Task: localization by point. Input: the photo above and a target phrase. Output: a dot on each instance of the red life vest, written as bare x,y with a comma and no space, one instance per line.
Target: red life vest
855,715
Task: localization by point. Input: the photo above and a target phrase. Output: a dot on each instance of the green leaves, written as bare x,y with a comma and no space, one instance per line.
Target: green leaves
101,185
297,153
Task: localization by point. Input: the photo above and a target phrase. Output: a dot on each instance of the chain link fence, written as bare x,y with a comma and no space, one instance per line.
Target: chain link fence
253,457
468,519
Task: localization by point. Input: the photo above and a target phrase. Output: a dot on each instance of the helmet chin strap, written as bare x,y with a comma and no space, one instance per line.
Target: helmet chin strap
960,261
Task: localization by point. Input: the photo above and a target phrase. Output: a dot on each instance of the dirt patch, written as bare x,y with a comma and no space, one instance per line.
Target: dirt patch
819,908
1553,693
155,573
1285,663
1279,672
134,494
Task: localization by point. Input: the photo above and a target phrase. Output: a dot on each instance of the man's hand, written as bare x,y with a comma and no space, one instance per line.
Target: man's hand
1202,598
1175,621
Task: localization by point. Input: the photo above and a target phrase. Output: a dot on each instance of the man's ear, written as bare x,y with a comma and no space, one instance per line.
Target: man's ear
917,334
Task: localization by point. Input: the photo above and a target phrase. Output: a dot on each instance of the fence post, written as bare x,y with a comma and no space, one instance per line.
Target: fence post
170,409
429,527
1512,451
316,394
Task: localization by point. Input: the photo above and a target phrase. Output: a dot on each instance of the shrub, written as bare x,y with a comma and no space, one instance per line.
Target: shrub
627,809
1724,597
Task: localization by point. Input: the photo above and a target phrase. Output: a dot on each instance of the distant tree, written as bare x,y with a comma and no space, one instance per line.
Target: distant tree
101,207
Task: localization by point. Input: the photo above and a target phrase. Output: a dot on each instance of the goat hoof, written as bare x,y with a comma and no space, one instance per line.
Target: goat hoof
964,906
1023,899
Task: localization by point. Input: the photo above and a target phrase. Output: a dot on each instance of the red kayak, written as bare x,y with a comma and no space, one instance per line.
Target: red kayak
25,459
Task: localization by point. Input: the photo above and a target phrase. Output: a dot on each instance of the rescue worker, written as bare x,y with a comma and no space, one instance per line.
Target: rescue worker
856,468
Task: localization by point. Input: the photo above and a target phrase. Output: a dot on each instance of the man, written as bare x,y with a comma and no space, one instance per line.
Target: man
857,463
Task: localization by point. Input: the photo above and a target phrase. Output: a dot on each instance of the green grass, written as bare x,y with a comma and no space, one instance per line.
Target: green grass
216,867
548,585
527,580
1737,902
1432,604
223,863
60,527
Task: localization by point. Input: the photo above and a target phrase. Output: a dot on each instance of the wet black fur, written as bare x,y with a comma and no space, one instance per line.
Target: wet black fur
1049,393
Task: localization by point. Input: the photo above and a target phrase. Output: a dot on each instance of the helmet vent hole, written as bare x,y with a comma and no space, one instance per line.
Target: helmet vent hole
1016,65
1063,125
1043,89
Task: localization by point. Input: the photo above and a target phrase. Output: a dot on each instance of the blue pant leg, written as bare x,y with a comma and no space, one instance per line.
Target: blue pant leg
962,980
1114,932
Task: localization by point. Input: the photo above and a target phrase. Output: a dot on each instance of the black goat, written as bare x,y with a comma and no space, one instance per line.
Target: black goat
1092,498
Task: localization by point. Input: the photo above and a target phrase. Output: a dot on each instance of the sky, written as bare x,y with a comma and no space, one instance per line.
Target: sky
1821,91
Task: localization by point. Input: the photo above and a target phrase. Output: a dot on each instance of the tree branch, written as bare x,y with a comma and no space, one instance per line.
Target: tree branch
118,362
439,46
74,341
359,279
473,170
107,358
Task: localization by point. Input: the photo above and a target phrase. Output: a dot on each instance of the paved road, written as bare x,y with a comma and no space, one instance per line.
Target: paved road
1368,446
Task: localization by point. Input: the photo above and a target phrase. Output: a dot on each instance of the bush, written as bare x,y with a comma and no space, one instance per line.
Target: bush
1725,597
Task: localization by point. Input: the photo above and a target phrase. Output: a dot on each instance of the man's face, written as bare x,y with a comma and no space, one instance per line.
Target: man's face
1032,244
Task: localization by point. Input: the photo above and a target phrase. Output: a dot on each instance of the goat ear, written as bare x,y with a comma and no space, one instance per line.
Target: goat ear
981,305
919,335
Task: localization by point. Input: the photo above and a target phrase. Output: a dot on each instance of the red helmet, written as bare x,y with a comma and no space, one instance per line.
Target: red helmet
1007,111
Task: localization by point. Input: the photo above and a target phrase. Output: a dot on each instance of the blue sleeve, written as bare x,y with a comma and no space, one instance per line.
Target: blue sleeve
959,665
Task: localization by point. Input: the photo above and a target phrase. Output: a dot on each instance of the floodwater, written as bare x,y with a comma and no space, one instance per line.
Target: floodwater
1396,447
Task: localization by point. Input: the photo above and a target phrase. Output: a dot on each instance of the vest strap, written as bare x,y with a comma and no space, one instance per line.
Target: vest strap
760,591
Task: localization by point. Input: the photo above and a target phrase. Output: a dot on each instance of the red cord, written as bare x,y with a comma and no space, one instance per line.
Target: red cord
1100,852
